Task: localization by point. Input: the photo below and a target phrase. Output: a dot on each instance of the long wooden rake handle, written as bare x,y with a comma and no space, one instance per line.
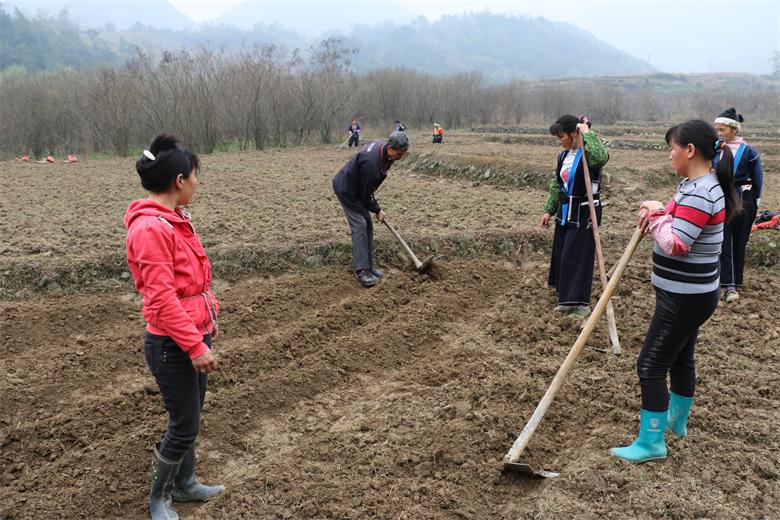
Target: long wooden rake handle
613,334
522,441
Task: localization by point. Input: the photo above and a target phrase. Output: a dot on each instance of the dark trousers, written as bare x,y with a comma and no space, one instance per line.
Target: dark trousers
359,220
735,238
182,388
669,346
354,139
572,260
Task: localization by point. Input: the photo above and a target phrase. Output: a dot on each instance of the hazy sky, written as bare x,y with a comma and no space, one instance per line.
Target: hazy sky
674,36
205,10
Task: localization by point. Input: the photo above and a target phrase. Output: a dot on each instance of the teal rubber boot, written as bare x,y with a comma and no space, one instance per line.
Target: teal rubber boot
679,411
649,444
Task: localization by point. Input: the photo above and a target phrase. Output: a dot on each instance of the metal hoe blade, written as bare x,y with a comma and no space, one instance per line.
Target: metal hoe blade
526,470
425,265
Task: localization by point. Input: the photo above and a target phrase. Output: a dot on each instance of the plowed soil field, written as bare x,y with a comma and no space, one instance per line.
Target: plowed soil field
398,402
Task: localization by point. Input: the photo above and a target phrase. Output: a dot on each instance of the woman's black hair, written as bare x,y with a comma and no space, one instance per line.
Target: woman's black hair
163,142
564,125
704,138
164,160
194,162
731,113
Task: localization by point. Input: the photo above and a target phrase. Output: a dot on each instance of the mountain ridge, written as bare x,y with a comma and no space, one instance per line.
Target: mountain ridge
500,47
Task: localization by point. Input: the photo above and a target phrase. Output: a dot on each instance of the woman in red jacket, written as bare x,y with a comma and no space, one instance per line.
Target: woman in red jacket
172,272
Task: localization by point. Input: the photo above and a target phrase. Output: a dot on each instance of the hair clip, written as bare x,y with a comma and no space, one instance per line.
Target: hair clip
719,144
149,155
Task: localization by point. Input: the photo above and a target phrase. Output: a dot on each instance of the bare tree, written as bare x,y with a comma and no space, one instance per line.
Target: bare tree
270,97
112,99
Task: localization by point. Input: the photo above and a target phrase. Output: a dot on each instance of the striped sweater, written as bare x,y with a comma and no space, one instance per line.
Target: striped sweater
688,235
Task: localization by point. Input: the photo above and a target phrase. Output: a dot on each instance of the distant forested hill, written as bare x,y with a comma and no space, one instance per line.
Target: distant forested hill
43,43
498,46
501,47
95,14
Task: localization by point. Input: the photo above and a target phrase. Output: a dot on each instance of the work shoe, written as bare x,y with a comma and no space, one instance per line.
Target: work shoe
377,272
731,295
649,444
163,474
367,278
186,487
679,410
563,308
580,312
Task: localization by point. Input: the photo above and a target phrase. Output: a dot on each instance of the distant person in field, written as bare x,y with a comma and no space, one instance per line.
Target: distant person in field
173,273
573,253
354,134
438,133
748,180
354,185
399,127
688,232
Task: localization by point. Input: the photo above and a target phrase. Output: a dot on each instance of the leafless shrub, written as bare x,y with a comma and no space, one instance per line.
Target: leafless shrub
270,97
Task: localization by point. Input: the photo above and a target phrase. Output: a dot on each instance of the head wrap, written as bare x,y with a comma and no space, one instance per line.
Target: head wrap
730,118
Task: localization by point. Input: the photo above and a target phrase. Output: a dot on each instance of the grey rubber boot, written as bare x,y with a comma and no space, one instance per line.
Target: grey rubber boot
163,474
186,487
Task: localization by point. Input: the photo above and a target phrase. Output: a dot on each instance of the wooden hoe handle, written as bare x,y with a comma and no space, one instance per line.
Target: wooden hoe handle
522,441
400,239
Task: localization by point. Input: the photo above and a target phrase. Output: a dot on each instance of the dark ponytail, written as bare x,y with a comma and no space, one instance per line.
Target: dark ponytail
725,173
704,138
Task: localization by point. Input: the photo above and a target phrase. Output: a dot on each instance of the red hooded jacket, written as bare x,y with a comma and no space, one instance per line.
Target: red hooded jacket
173,273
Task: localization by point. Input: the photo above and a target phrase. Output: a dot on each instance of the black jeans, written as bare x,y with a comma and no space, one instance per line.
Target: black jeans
669,346
183,391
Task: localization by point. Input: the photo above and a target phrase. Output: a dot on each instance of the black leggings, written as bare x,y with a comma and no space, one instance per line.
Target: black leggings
183,391
669,346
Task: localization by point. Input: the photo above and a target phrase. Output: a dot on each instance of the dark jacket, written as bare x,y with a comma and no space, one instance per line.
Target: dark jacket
748,171
577,205
579,177
357,180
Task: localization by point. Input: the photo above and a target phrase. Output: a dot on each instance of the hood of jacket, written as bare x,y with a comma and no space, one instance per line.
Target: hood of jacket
148,207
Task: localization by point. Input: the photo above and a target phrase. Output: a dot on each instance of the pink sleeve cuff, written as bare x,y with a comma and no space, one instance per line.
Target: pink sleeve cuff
657,213
660,228
198,351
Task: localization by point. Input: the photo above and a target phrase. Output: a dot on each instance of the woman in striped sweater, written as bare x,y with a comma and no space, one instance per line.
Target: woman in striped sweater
688,232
